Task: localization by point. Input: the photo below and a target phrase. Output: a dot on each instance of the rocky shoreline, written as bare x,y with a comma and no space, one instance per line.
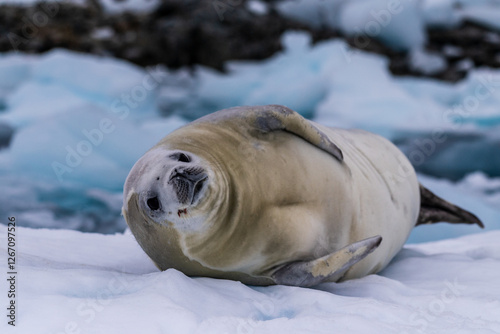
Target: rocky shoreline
187,33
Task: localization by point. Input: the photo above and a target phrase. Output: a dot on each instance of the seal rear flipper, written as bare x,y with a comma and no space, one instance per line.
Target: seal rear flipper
330,267
434,209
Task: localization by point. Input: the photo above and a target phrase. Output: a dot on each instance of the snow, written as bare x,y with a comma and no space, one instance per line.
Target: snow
50,99
104,33
400,24
384,107
78,72
144,6
62,80
257,7
484,16
441,13
256,83
396,23
426,62
70,281
14,69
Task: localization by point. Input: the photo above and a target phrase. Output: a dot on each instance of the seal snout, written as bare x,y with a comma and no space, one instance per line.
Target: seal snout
188,183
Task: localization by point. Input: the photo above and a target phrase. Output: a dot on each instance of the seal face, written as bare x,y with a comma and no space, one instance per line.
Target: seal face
169,183
264,196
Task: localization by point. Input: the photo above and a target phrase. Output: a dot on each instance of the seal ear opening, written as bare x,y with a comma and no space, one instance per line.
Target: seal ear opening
329,268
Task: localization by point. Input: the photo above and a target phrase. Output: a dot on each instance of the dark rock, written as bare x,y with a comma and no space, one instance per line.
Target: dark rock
210,32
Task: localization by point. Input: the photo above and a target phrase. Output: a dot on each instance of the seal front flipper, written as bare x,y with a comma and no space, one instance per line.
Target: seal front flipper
330,267
434,209
278,118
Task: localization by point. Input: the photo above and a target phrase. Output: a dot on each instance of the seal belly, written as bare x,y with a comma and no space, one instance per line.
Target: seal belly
296,185
324,204
387,194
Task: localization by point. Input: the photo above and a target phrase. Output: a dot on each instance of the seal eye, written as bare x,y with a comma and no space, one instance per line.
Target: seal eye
153,203
183,158
180,157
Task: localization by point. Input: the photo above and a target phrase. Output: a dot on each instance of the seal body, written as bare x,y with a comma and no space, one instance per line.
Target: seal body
270,198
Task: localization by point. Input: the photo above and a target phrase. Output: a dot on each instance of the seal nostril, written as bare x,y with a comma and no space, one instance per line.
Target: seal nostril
153,203
198,187
184,158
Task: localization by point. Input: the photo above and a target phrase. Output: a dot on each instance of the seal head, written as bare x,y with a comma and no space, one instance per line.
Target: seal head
169,184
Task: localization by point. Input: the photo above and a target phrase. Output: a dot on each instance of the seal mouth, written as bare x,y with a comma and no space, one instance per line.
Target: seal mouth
188,184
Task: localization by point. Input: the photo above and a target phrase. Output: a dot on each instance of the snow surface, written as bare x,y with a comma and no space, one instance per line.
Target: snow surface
73,282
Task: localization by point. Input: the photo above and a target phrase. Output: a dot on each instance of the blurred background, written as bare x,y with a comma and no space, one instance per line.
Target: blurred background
88,86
